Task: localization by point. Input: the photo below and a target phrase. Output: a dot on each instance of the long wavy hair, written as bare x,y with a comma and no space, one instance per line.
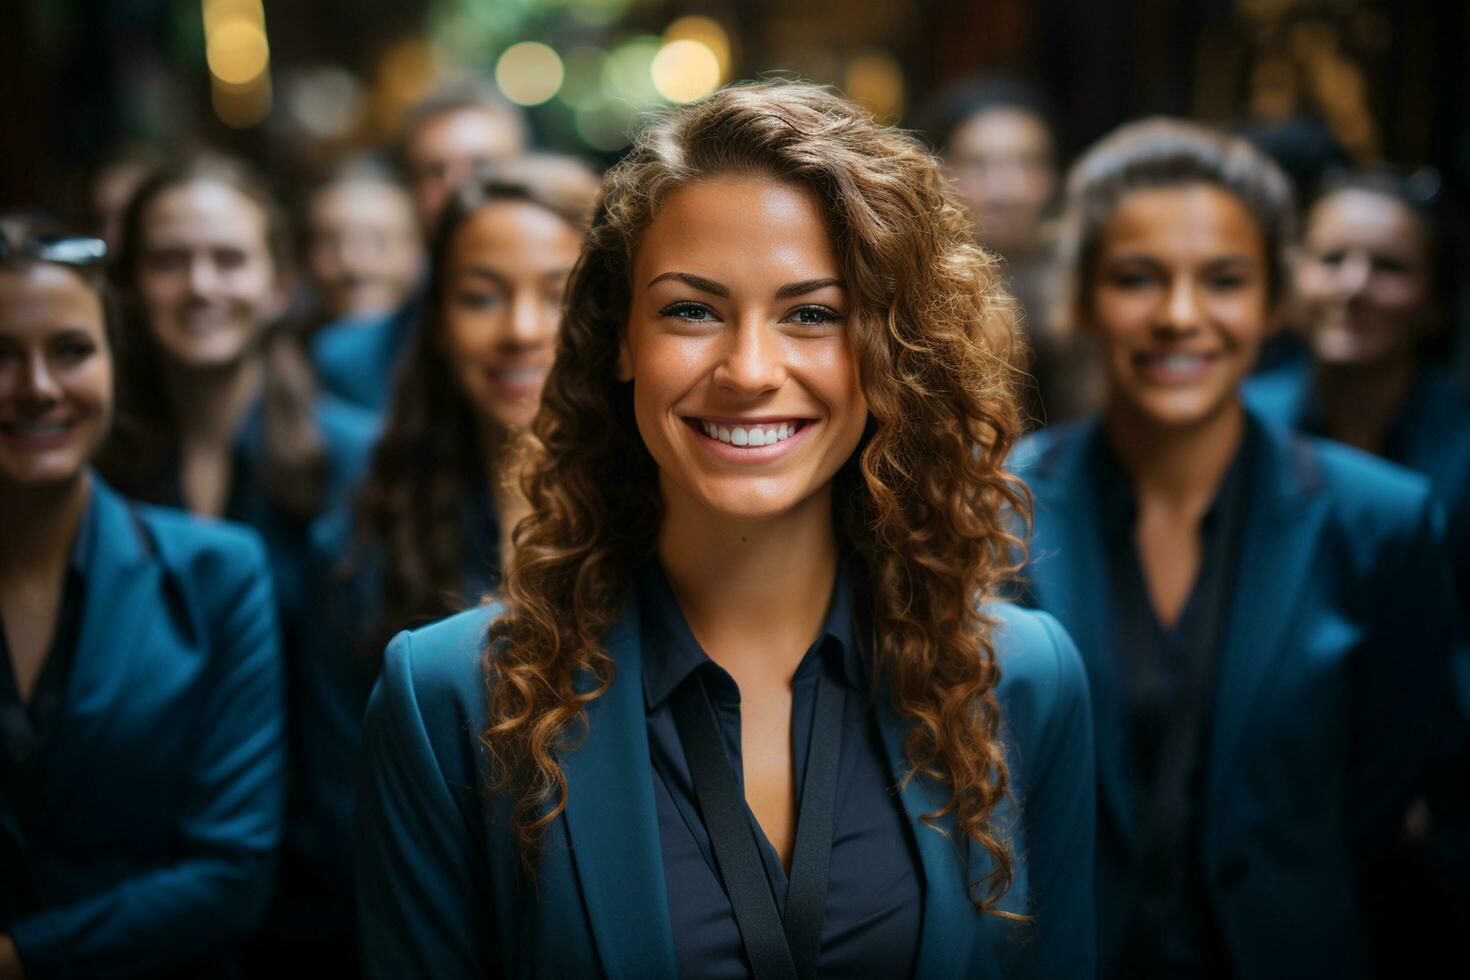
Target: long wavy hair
924,503
428,460
144,439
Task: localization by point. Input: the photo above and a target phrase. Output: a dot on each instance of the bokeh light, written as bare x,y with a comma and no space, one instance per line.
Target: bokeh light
685,70
605,123
529,73
706,31
237,52
875,82
218,13
584,68
628,72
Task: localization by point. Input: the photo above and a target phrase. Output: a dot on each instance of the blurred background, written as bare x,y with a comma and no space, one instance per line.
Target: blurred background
293,84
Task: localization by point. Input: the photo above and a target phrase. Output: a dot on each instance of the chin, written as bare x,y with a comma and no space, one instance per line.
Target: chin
1182,409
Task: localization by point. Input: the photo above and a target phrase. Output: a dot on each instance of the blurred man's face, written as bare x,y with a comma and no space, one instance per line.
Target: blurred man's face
364,251
1001,161
445,150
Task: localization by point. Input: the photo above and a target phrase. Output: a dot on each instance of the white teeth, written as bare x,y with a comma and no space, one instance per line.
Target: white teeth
1181,362
738,437
751,436
724,434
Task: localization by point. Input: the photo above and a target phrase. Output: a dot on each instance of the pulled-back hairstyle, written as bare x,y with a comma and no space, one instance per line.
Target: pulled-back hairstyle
1156,153
429,459
924,504
145,438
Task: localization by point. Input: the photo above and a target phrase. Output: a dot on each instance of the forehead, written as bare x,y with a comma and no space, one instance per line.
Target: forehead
469,131
1193,221
204,211
519,229
362,201
729,226
1360,216
1004,129
46,296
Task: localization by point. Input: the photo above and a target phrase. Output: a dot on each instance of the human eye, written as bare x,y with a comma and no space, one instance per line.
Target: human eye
1331,258
73,350
229,258
1391,266
690,312
814,315
480,300
1131,279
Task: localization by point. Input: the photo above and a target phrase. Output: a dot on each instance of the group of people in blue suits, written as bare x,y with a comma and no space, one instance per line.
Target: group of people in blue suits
668,587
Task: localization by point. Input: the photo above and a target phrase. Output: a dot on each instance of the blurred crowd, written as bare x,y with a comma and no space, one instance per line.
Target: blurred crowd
343,369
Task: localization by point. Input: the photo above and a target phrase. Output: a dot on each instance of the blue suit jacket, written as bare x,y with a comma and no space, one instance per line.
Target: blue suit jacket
438,889
166,778
356,357
1331,697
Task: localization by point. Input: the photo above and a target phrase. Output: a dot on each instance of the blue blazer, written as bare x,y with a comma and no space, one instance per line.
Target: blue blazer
1331,698
439,893
355,357
166,779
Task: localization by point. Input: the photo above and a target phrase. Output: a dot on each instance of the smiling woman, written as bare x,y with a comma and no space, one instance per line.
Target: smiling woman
741,702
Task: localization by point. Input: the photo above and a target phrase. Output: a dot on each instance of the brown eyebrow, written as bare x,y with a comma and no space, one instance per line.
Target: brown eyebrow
720,289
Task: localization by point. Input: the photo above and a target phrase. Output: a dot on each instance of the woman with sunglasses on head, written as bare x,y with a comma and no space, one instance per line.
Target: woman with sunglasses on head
1375,281
431,522
142,764
748,706
1265,618
218,412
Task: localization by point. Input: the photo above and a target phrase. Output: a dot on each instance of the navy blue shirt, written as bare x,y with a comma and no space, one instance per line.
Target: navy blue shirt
875,888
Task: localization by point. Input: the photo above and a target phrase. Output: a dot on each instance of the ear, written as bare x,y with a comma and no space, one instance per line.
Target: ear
625,359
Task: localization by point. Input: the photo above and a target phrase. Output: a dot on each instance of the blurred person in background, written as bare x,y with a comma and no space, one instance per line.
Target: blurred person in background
1375,277
734,612
426,535
1266,618
364,253
114,183
217,410
440,143
142,734
998,145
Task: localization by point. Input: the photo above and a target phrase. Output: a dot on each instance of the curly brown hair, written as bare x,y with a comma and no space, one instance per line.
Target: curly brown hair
428,459
924,503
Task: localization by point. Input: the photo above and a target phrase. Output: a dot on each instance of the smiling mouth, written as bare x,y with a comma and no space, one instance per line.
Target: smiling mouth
1176,366
37,431
751,435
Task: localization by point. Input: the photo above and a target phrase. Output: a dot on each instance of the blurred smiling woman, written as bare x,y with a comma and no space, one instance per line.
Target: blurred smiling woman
747,708
1265,619
142,760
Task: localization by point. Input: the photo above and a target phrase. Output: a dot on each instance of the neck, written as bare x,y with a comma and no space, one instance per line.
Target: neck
1175,467
209,405
755,593
1360,401
39,525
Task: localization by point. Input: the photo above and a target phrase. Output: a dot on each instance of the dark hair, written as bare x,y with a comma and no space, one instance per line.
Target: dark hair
1421,193
145,439
18,228
924,503
964,100
1159,152
428,460
459,95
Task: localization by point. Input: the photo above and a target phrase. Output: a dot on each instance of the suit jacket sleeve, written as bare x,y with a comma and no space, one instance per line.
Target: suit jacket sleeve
422,908
1059,806
215,892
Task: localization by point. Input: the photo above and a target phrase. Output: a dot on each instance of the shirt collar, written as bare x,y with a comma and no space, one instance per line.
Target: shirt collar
671,652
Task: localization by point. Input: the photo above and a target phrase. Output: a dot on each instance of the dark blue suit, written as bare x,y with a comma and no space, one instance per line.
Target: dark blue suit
356,357
165,784
440,895
1330,698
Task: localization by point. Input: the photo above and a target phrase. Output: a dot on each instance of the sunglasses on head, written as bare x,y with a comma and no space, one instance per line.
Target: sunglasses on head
66,249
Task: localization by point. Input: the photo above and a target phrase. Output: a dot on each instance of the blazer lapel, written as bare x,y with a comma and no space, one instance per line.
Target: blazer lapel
613,822
123,593
948,932
1283,526
1070,579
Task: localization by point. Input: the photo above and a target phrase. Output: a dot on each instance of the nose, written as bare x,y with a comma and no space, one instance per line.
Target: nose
1354,272
202,276
532,318
37,382
752,362
1181,312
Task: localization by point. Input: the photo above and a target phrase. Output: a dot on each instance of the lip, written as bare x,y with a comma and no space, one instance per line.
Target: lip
748,455
58,433
517,381
1175,367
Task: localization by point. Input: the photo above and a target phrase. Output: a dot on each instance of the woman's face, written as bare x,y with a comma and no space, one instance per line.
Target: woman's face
506,272
206,278
1364,278
364,250
1180,301
55,376
745,388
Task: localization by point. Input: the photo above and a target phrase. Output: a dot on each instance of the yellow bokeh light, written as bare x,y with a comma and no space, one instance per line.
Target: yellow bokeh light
683,71
707,32
237,52
875,82
529,73
218,13
241,107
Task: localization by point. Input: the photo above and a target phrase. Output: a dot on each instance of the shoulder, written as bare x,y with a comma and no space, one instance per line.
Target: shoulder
1043,682
204,550
436,672
345,337
1278,394
1368,493
1040,454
